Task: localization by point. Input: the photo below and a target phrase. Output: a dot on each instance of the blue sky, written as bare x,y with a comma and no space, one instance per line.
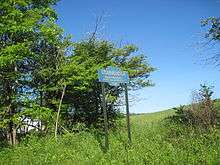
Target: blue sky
166,31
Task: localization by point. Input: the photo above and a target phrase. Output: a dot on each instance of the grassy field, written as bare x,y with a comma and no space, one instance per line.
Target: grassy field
155,117
153,142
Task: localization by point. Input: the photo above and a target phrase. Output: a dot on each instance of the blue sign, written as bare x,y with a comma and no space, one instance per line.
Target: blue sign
113,76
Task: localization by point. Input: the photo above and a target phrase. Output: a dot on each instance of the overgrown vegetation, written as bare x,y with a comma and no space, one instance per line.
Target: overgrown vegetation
201,113
48,84
44,76
153,142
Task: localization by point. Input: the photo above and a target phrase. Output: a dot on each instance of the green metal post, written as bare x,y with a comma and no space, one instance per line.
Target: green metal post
105,116
127,114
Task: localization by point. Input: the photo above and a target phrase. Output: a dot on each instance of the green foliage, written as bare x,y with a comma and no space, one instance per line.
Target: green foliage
37,60
27,32
211,26
201,112
37,112
83,90
213,32
153,143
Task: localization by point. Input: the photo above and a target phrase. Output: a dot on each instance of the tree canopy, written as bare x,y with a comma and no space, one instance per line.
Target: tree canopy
212,25
37,61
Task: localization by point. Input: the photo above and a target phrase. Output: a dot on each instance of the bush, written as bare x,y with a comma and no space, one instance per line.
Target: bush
201,112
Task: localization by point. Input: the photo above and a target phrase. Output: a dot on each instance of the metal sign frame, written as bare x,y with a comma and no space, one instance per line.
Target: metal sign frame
114,77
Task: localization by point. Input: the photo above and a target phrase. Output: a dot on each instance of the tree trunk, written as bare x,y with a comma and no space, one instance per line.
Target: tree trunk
9,134
58,112
13,111
12,134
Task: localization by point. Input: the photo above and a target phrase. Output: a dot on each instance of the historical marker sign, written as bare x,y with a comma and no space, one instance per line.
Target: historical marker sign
113,76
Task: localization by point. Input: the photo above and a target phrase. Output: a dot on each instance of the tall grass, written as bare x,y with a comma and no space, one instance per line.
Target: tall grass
152,143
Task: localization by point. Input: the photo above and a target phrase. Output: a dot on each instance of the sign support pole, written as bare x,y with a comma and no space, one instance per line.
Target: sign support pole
114,76
105,116
127,114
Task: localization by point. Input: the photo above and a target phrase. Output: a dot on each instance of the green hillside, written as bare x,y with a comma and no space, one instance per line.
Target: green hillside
158,116
151,117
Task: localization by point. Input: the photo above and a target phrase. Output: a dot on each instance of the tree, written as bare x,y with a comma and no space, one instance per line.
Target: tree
213,36
83,94
213,32
43,73
27,32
